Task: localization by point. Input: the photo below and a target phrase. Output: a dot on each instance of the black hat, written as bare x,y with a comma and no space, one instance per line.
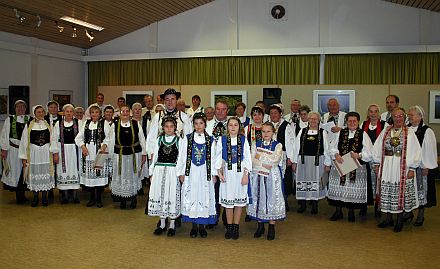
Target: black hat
170,91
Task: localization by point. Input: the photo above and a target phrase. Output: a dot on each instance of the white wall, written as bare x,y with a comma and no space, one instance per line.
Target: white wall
42,65
243,25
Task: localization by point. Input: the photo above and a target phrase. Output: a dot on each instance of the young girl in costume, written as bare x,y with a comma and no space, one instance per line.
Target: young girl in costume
233,165
266,198
195,168
164,197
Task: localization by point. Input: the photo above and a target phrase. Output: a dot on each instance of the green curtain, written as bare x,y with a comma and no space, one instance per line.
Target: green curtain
275,70
403,68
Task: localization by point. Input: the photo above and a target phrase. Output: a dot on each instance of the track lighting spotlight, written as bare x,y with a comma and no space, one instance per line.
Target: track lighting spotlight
74,32
89,35
20,18
39,21
60,28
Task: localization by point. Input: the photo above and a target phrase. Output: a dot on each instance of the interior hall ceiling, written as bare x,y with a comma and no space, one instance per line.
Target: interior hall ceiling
432,5
117,17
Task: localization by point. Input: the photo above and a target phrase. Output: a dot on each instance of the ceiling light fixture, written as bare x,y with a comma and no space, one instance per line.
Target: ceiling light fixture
39,21
19,17
90,35
74,32
82,23
60,28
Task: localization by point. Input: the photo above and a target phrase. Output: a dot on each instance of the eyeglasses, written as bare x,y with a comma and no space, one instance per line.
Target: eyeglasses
399,116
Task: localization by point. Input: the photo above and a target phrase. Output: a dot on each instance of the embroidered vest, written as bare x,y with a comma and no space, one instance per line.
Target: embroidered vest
40,137
168,152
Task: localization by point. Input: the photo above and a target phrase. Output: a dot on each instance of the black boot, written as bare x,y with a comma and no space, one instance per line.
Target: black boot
228,233
271,232
408,216
51,195
351,217
387,222
133,203
202,231
178,222
35,200
337,215
302,206
260,230
123,204
44,199
99,191
399,223
287,205
235,231
314,210
193,233
18,198
420,217
64,197
92,200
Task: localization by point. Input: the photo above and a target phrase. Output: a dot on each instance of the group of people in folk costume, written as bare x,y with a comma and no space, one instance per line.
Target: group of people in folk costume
197,165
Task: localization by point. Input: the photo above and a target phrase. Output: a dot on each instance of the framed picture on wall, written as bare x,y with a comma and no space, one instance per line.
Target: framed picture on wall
132,97
231,98
4,98
434,106
62,97
346,99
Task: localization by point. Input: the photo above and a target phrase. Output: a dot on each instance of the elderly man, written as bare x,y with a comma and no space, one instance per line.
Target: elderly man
148,106
209,112
79,113
293,117
196,107
392,101
336,116
181,106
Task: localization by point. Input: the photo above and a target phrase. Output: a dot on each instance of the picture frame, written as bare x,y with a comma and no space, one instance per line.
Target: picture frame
4,103
346,99
231,98
132,97
434,106
63,97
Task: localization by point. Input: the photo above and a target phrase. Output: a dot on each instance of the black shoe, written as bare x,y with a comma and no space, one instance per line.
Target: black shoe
34,203
235,231
260,230
302,206
386,223
247,218
377,212
351,217
211,226
51,195
271,232
123,205
99,204
408,216
193,233
133,203
159,231
287,206
228,233
337,215
419,222
363,212
45,203
202,232
91,203
171,232
314,210
44,199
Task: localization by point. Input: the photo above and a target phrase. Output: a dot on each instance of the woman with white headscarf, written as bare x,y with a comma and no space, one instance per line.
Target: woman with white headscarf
425,176
67,176
35,151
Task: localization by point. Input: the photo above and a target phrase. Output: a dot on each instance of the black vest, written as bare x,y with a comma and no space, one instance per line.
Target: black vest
39,137
19,127
281,134
311,143
126,137
168,153
351,141
69,133
94,135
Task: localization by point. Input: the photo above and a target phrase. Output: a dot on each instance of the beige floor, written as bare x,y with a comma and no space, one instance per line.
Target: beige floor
73,236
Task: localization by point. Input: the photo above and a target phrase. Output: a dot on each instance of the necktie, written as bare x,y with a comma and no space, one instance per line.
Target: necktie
295,118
